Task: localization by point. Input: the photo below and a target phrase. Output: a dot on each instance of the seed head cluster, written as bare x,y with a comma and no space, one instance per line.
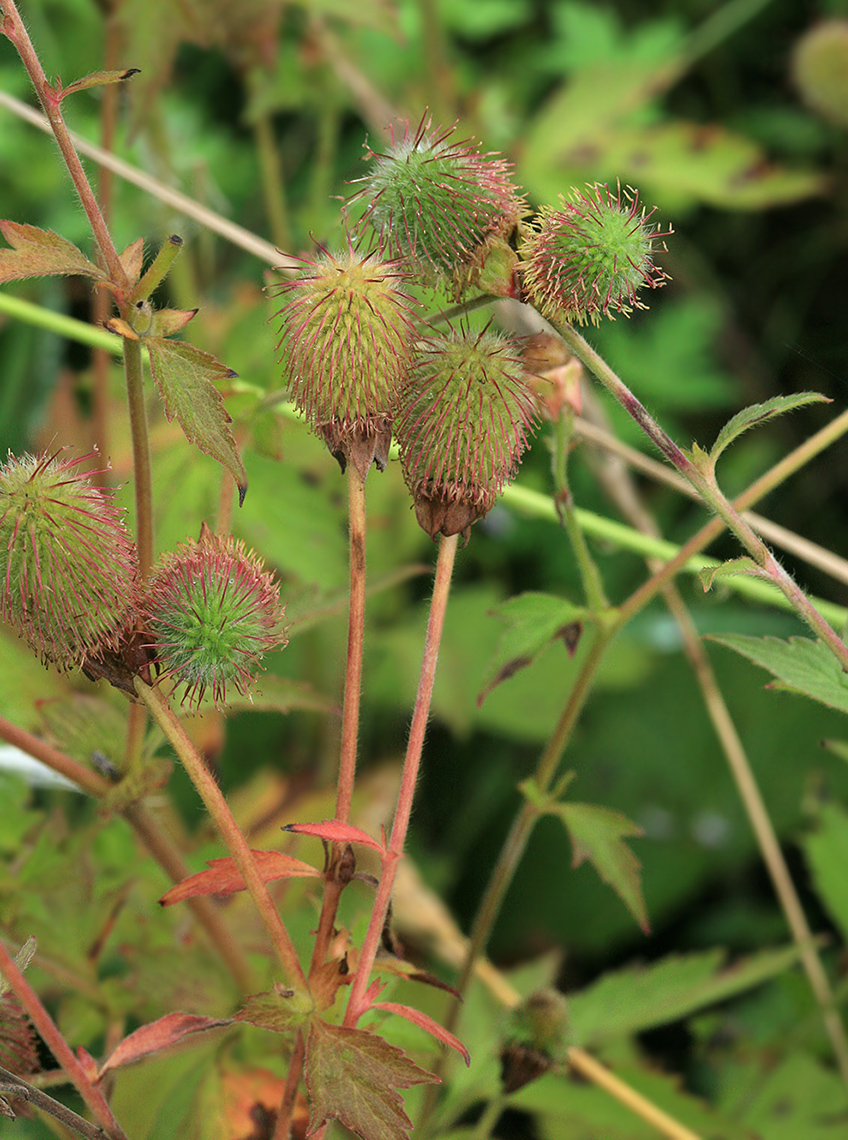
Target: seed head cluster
211,613
464,419
590,257
68,562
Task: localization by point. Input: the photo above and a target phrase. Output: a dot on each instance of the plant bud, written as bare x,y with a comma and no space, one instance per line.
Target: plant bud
69,563
590,257
435,202
211,612
347,341
463,421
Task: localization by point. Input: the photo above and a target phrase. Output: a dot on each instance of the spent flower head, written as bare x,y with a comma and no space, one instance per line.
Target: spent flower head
211,612
590,257
69,563
464,419
440,203
347,338
820,69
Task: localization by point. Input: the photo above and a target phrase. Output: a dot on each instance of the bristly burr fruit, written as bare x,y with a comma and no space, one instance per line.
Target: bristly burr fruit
439,203
347,342
69,563
464,419
590,257
211,613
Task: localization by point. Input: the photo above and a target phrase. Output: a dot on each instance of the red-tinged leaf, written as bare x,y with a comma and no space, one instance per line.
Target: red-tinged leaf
18,1042
98,79
224,878
88,1063
597,834
353,1076
185,377
166,322
335,832
41,253
132,259
279,1009
426,1023
158,1035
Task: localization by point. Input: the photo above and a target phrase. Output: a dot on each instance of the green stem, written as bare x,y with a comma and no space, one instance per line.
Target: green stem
708,490
58,1046
143,481
593,586
273,183
229,830
415,745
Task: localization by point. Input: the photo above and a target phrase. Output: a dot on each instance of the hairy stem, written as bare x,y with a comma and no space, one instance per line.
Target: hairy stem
13,1086
58,1046
415,744
229,830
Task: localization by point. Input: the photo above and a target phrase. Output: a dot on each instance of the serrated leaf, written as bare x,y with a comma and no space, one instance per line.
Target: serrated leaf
642,997
279,1010
223,877
353,1076
800,665
533,621
185,377
597,834
757,414
743,565
158,1035
41,253
827,855
98,79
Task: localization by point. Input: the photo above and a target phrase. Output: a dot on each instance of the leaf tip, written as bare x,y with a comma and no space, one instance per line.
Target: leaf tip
242,491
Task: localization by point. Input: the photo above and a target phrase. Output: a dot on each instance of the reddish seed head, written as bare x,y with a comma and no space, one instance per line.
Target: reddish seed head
68,562
347,341
435,201
464,419
212,612
590,257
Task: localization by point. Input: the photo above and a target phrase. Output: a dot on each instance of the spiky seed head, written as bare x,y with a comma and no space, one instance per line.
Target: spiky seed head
820,70
68,562
347,341
464,419
435,201
211,613
590,257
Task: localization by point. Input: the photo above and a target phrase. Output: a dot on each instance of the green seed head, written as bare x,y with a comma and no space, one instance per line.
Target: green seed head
211,612
590,257
435,201
464,419
68,562
347,342
820,70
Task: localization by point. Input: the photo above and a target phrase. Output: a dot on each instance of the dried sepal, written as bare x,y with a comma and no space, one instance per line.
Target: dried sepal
211,613
464,419
68,562
435,201
590,256
347,340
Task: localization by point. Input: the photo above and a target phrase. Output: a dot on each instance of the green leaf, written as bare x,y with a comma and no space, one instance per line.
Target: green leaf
827,854
642,997
758,413
98,79
533,621
353,1076
733,566
186,380
41,253
279,1010
799,665
597,834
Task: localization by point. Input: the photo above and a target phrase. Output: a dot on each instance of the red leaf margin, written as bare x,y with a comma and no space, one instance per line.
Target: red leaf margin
224,878
168,1030
334,832
423,1021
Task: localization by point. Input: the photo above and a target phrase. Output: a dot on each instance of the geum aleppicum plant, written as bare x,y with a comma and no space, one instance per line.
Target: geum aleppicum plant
361,362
